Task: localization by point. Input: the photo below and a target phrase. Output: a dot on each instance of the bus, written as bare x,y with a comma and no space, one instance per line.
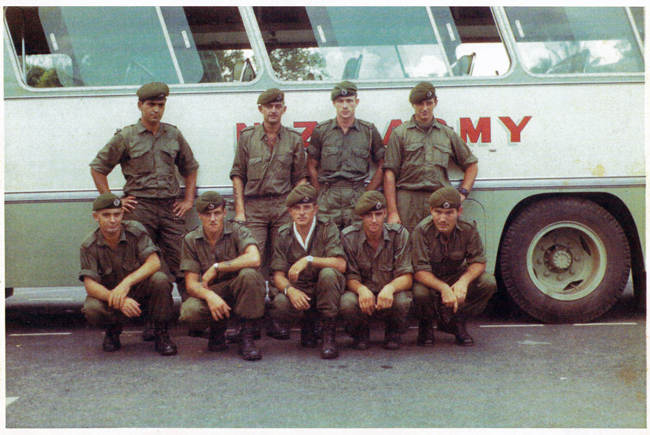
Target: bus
550,102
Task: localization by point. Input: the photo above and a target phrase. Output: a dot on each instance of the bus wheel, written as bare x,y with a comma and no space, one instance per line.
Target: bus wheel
565,260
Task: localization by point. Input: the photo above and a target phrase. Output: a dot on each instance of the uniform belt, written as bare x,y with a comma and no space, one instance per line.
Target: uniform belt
156,200
343,183
271,196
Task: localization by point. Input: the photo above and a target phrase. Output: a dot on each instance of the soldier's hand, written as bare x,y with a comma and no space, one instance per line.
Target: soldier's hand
449,298
366,300
118,295
297,267
130,308
218,307
460,290
298,299
129,203
393,218
385,298
180,208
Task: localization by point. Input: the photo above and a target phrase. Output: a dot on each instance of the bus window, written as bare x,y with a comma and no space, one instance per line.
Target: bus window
575,40
334,43
108,46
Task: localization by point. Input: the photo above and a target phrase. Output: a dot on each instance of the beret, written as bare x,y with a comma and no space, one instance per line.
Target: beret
271,96
369,201
422,91
208,201
445,197
344,89
153,91
304,194
106,200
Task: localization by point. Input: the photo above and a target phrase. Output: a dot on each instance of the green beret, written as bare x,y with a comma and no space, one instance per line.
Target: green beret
370,201
422,91
273,95
208,201
344,89
303,194
106,200
445,197
153,91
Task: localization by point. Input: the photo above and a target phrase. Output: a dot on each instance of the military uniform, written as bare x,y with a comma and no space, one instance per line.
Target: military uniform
268,174
149,164
448,261
420,160
344,165
244,291
375,269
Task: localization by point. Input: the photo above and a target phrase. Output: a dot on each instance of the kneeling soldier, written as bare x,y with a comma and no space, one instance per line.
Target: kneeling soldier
220,260
379,273
449,265
120,269
307,266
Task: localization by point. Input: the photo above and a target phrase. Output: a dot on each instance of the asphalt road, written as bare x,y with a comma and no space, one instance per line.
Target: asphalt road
521,373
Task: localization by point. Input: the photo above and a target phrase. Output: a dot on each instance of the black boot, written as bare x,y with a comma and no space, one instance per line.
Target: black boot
425,334
247,348
233,335
307,334
361,337
148,332
462,336
162,343
446,318
217,338
112,339
277,330
328,349
392,336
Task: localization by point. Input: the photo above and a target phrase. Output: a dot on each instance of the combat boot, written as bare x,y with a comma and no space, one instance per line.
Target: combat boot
361,337
112,338
328,348
446,319
148,333
247,348
162,343
392,336
425,334
276,329
462,336
217,338
307,333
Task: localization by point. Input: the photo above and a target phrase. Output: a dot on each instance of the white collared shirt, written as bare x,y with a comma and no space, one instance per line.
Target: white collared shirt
298,237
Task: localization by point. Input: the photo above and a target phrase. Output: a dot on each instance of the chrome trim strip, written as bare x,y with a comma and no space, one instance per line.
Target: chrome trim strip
558,184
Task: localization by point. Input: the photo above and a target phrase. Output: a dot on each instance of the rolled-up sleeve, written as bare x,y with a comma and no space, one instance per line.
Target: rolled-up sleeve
189,258
420,251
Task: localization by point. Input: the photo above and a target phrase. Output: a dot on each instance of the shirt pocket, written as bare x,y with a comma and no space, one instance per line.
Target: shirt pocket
255,168
169,153
330,160
414,157
440,154
140,160
359,157
365,269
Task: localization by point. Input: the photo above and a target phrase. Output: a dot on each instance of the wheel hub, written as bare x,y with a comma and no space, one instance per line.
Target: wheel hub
558,259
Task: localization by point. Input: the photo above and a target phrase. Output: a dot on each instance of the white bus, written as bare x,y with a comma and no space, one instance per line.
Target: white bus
550,100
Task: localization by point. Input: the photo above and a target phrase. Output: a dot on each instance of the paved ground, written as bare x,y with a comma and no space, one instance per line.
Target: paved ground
520,374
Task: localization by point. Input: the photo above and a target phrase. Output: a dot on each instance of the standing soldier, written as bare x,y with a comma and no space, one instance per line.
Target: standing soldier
270,160
449,265
120,271
220,261
308,265
417,159
379,273
339,157
149,153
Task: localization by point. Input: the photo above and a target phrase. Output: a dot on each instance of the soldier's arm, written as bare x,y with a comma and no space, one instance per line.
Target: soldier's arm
180,208
312,166
101,181
430,280
391,197
377,177
298,299
250,258
460,287
148,268
238,193
469,177
219,309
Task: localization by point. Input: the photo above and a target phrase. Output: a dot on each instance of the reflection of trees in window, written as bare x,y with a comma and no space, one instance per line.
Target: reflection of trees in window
298,64
39,77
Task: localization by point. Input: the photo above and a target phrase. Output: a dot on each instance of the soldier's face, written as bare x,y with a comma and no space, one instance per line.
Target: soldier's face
373,221
212,220
272,112
109,220
445,218
424,110
303,214
345,107
151,110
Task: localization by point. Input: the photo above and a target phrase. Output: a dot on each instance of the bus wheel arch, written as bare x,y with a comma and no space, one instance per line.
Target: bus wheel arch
564,259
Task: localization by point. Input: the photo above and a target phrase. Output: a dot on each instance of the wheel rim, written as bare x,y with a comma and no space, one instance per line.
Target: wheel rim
566,261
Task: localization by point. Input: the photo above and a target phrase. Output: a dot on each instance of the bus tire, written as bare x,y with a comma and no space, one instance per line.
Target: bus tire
565,260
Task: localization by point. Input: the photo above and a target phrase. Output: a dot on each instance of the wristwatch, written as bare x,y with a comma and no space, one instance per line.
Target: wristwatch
309,259
216,267
463,191
286,288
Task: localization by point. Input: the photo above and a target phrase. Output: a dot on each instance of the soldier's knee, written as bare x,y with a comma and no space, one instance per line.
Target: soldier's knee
160,282
94,310
348,304
420,292
487,283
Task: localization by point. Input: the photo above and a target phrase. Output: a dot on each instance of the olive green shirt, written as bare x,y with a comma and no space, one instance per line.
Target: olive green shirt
265,171
325,242
421,160
109,267
148,163
197,255
446,260
345,156
376,268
